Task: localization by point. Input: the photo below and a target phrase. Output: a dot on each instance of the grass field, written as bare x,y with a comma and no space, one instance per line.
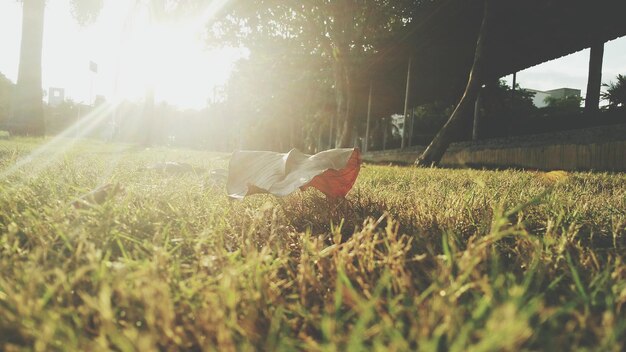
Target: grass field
413,259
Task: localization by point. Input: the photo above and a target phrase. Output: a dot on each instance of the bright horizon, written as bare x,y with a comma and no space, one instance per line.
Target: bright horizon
131,54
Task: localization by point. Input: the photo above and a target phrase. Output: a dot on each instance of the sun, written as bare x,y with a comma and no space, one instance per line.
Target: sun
134,52
173,60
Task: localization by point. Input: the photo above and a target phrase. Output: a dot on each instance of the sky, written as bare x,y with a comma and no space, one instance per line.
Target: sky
131,54
571,71
128,52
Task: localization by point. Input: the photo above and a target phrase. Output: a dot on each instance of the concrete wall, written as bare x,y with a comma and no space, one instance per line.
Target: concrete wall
601,155
562,93
610,156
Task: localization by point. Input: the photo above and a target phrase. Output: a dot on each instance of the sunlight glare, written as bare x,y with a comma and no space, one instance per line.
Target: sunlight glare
168,57
172,59
53,150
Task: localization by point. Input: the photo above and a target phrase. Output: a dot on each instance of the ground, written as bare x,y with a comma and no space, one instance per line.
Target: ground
413,259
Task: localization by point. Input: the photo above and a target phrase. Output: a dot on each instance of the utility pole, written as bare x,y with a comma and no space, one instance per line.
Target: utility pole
406,103
369,115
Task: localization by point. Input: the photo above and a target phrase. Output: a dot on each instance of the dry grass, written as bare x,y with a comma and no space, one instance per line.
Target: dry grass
414,259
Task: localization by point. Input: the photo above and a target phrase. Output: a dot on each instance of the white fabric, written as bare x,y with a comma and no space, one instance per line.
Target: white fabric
281,173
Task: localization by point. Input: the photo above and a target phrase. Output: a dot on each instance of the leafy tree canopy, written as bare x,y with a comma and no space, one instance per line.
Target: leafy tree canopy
500,102
332,28
86,11
342,33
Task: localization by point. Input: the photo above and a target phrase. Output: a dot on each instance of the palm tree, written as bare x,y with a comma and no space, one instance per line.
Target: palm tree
615,92
27,114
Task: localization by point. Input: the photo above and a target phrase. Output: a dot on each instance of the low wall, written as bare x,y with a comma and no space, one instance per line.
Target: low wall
602,149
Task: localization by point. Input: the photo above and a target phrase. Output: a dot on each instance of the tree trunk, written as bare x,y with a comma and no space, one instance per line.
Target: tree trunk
148,118
331,130
344,96
476,126
27,114
348,119
369,115
437,148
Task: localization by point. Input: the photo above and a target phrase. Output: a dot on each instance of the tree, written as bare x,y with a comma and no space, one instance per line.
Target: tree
285,99
568,104
343,33
6,93
615,92
500,101
435,150
503,110
27,116
428,120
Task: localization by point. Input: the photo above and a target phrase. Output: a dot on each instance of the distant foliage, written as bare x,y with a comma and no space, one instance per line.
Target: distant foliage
6,91
570,103
615,92
86,11
501,102
428,120
61,116
280,100
502,109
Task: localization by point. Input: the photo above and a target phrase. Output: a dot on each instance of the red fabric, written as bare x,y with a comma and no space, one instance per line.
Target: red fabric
337,183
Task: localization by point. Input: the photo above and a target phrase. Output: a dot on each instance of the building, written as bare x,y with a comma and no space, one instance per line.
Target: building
56,96
397,121
539,100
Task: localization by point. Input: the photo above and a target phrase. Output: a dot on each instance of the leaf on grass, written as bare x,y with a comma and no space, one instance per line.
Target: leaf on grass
98,195
553,177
